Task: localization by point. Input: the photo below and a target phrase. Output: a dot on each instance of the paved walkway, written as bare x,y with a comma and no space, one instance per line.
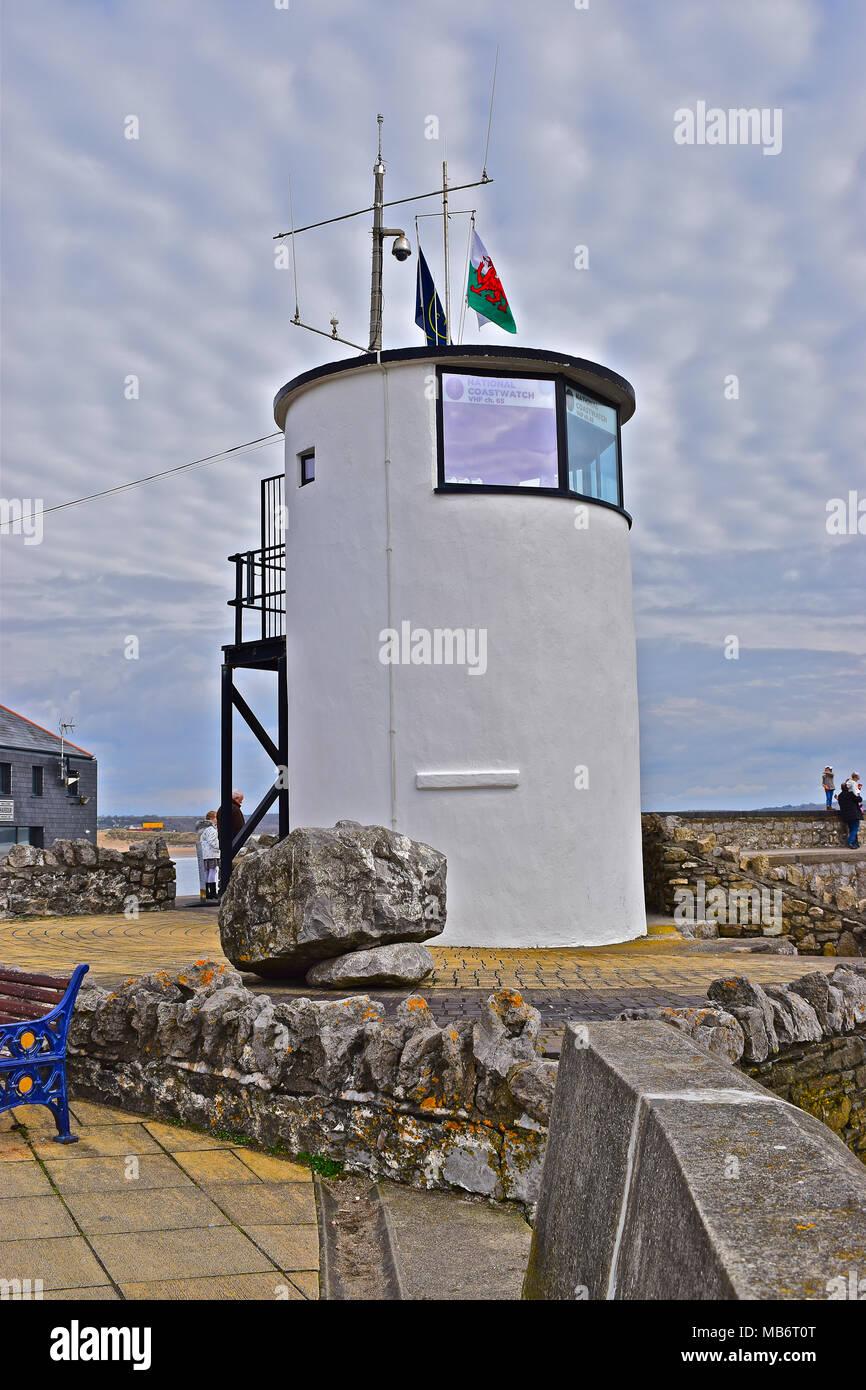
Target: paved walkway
582,983
139,1209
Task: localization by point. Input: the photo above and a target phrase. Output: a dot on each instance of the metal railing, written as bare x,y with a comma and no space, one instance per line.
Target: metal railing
260,591
260,575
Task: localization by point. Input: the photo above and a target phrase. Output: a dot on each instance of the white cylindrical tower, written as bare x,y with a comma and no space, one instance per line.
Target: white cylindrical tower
460,636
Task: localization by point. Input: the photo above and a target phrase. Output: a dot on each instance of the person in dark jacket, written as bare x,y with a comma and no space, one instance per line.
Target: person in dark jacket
238,818
851,813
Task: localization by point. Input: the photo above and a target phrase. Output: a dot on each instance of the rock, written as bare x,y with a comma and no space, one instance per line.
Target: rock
852,986
752,1009
532,1085
847,945
846,899
712,1029
506,1035
320,893
794,1018
766,947
825,999
404,963
23,857
206,976
384,1043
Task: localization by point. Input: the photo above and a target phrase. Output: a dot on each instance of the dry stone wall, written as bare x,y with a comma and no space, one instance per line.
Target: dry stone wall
737,891
75,876
462,1107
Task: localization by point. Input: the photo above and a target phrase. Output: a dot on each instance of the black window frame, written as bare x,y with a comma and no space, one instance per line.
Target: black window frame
304,457
5,779
560,380
37,779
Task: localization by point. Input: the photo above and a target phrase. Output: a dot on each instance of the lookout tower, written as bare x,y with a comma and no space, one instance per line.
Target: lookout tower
460,648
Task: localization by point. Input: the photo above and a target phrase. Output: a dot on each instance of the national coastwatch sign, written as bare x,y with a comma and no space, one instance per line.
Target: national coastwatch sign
7,810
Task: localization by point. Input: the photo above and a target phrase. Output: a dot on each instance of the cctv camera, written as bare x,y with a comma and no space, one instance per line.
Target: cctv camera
401,249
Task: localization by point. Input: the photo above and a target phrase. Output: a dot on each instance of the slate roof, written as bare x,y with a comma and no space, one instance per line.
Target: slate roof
18,732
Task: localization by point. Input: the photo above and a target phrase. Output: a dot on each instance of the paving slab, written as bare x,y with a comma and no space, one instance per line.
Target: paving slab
453,1248
219,1288
209,1167
266,1204
157,1209
98,1141
179,1139
30,1218
23,1180
145,1256
102,1292
61,1263
271,1169
290,1247
109,1174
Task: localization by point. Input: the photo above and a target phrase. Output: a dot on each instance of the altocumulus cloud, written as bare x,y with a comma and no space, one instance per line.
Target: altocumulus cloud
154,258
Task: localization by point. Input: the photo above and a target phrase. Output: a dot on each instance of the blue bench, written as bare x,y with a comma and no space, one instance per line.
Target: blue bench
35,1012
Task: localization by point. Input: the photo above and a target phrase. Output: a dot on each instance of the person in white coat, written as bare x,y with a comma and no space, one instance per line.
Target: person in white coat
210,853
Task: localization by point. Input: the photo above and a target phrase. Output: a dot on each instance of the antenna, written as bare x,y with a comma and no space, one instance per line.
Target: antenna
490,117
65,726
401,248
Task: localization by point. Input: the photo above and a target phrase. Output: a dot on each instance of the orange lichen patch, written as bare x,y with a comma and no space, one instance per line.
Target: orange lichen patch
429,1104
416,1002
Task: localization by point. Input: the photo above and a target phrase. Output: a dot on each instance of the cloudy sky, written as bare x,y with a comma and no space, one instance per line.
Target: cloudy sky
153,257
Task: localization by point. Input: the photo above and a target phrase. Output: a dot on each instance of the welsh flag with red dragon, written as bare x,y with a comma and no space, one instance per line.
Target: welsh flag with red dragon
484,292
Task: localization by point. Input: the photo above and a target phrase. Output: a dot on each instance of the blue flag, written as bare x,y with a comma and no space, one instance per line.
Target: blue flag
429,315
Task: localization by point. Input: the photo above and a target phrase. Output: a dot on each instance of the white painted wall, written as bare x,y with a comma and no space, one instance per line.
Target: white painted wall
536,864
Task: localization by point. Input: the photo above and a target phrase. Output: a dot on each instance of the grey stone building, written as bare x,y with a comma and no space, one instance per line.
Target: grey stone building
43,799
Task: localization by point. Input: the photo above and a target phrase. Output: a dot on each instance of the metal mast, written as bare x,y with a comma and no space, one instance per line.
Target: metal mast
445,237
376,279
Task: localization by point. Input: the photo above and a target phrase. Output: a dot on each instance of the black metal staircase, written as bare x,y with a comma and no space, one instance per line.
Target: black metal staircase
259,644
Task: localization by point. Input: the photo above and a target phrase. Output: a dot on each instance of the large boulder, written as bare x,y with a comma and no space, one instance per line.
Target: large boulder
403,963
323,892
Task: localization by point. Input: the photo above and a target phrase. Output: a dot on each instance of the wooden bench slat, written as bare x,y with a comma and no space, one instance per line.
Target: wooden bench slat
22,1009
16,991
22,977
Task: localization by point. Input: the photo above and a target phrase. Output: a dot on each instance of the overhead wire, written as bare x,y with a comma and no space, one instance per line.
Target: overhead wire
250,447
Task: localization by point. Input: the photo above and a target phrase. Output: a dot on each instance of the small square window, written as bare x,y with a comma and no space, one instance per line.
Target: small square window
307,467
37,777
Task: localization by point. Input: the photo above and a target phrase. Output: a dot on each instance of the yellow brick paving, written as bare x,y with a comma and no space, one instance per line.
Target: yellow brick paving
115,948
139,1209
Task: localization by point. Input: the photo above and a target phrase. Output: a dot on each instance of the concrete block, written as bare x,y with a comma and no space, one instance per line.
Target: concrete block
669,1176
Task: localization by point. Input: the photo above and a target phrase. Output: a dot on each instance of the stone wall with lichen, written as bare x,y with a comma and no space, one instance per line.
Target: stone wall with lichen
75,876
821,905
804,1040
463,1107
827,1079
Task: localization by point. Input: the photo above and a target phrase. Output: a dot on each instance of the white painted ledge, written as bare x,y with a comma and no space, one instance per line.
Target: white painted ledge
453,781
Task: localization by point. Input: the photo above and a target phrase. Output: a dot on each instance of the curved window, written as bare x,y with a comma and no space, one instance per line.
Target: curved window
509,432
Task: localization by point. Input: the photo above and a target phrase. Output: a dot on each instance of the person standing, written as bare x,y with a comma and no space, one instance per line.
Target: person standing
829,786
852,813
856,786
238,819
199,827
210,853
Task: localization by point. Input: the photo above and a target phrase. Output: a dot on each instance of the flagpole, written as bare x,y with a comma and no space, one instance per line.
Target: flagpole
445,238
